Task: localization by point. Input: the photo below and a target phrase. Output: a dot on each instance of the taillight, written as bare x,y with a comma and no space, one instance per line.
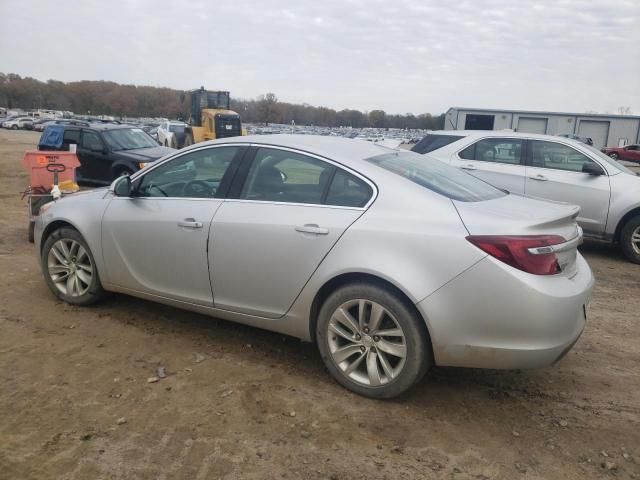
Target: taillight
514,250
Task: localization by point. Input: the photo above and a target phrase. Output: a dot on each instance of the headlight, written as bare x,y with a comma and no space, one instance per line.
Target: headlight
45,207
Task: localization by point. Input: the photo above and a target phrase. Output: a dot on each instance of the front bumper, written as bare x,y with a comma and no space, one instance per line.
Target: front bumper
494,316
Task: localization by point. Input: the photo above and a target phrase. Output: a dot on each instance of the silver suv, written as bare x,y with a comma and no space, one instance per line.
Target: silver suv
552,168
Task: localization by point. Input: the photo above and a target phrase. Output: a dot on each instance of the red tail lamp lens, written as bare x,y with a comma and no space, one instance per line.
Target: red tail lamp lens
514,251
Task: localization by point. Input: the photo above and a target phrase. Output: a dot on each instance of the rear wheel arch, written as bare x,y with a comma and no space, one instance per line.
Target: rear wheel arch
357,277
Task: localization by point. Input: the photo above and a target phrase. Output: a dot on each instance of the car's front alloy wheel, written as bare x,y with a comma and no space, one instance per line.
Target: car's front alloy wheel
372,340
630,239
70,269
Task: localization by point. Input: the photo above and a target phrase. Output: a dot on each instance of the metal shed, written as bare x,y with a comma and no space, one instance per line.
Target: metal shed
604,130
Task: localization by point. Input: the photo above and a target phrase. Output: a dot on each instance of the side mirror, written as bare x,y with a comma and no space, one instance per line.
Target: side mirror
122,186
592,168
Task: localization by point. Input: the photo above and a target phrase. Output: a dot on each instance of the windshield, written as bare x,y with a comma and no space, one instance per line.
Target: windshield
176,128
128,139
437,176
607,159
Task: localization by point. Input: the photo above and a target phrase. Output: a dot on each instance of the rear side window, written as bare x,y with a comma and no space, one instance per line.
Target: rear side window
71,135
434,142
498,150
437,177
348,190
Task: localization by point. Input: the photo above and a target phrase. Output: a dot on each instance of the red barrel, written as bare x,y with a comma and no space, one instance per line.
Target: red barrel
36,163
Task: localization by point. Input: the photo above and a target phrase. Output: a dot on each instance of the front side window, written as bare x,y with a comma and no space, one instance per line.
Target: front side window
128,139
498,150
193,175
557,156
91,141
283,176
437,176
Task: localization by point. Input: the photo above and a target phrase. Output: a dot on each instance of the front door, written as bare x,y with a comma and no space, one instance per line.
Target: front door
156,241
267,242
555,173
498,161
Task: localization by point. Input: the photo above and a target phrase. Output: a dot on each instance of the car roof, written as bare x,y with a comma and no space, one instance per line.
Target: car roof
100,126
344,150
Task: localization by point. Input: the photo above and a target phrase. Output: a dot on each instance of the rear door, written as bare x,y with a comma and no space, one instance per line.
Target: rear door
554,172
496,160
287,210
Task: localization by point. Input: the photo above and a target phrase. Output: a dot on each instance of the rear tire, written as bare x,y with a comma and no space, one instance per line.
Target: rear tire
188,139
630,239
375,358
31,235
70,269
14,127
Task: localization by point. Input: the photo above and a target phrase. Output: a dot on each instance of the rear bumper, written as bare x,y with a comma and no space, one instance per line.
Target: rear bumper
494,316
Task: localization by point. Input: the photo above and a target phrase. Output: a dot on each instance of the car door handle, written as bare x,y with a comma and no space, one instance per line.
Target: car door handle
468,167
540,178
312,228
190,223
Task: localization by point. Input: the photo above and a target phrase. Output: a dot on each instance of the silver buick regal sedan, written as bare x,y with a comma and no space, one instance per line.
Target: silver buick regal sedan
388,263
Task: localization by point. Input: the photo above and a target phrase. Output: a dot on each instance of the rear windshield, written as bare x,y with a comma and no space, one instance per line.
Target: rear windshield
434,142
437,176
176,128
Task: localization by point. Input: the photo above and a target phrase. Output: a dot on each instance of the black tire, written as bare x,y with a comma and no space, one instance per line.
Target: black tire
416,339
614,155
14,127
629,249
188,139
94,292
31,234
174,143
166,144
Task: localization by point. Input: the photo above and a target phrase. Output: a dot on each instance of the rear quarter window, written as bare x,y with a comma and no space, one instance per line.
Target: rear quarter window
434,142
437,176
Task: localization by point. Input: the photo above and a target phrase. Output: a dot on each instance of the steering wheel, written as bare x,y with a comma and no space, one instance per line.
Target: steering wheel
197,188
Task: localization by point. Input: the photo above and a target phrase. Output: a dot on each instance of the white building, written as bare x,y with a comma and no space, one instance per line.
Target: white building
604,130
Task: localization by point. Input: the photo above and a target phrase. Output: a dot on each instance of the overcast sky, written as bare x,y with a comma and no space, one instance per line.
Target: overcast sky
400,56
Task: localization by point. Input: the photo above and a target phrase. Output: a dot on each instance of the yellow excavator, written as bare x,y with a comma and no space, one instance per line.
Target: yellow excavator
211,118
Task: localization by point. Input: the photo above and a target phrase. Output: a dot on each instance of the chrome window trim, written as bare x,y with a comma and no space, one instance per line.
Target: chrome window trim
141,173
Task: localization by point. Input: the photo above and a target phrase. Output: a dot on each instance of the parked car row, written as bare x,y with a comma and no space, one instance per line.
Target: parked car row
18,123
552,168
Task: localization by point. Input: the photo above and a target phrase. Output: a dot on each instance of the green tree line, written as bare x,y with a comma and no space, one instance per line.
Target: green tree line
110,98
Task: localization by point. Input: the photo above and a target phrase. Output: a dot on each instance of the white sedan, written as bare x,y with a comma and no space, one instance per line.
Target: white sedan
171,134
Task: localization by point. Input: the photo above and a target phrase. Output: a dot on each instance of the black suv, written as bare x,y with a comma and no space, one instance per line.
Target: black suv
106,151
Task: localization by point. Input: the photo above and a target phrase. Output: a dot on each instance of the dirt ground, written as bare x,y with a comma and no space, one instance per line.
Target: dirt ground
237,402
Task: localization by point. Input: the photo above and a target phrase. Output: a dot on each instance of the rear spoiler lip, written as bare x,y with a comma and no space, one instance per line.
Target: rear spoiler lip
575,242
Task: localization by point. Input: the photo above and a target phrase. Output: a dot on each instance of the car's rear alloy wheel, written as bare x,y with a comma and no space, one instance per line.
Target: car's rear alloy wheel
70,269
372,340
366,342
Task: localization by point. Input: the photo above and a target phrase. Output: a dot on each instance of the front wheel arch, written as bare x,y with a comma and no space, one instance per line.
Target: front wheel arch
52,227
356,277
623,221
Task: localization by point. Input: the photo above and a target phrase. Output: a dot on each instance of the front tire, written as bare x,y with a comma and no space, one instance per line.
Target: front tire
372,340
630,240
188,139
70,269
614,155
